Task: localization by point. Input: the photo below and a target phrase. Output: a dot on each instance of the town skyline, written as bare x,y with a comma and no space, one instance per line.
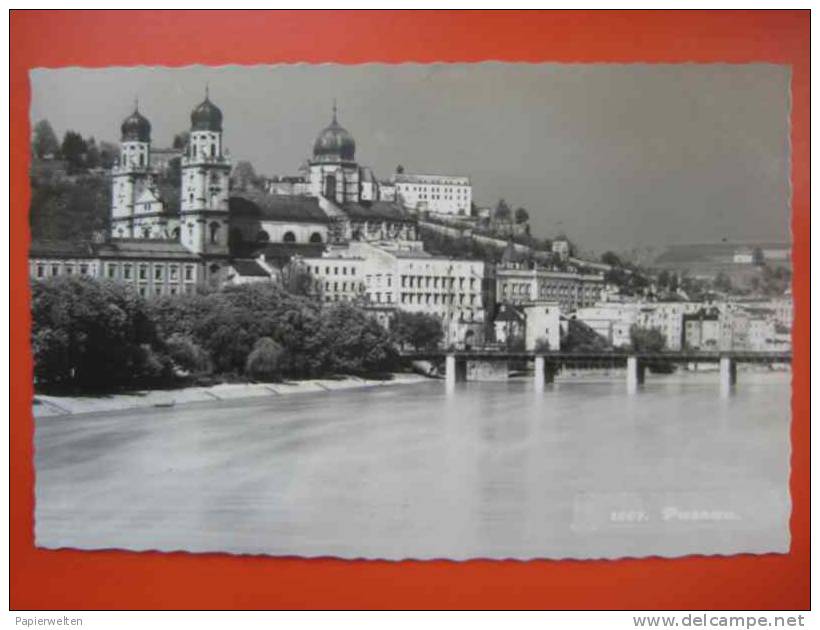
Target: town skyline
716,173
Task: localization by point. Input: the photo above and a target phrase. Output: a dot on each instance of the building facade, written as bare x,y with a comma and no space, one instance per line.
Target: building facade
611,320
440,194
150,266
393,275
516,284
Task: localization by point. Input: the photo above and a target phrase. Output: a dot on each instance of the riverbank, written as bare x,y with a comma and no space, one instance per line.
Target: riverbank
48,406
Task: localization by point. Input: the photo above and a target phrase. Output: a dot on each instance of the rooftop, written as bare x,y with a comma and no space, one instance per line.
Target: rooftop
48,248
134,248
421,178
376,210
144,248
249,268
277,207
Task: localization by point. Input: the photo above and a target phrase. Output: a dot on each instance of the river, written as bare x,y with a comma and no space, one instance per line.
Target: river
492,470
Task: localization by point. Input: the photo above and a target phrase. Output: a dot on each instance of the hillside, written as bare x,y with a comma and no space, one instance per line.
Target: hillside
69,209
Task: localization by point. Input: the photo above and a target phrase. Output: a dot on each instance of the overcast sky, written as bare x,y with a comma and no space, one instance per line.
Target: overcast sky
615,156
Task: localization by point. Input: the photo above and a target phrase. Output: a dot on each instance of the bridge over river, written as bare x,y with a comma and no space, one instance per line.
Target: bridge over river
547,364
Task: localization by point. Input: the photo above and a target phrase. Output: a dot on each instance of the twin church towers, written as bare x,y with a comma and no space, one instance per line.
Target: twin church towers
137,208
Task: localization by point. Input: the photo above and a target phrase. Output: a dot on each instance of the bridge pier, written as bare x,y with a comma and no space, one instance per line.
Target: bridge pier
455,370
635,374
728,375
544,372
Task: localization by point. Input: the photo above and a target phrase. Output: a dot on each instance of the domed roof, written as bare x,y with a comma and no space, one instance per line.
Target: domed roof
206,116
334,142
136,127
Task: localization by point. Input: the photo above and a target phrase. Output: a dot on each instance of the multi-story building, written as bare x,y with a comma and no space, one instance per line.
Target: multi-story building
703,330
440,194
668,318
542,326
396,275
338,277
517,284
150,266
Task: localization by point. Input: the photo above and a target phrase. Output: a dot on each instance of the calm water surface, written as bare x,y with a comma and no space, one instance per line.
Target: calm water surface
493,470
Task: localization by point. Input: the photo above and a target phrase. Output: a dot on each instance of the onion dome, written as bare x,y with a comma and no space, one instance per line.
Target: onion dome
334,142
206,116
136,127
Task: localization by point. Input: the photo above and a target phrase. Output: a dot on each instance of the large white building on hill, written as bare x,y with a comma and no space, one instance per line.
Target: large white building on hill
439,194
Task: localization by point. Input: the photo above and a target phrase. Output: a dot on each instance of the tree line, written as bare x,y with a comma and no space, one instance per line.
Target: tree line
90,334
78,152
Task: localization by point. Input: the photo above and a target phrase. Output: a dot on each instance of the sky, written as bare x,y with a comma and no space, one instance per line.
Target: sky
614,156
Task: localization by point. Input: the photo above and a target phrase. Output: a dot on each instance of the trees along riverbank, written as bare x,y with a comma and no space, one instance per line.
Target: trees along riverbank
96,335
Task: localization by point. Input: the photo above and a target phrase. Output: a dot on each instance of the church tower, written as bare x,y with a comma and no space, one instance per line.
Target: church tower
334,173
135,208
204,191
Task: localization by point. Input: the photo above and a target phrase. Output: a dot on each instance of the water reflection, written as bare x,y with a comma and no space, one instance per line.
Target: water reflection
484,470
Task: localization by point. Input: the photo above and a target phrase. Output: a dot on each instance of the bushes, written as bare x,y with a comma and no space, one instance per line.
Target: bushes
419,330
355,343
97,334
187,355
266,360
93,334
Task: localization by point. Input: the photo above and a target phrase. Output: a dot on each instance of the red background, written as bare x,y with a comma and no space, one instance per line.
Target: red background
110,579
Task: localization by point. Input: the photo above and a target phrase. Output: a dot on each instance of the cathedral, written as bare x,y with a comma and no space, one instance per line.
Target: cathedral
215,235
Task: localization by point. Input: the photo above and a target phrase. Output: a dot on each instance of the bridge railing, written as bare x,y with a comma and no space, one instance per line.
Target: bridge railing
741,356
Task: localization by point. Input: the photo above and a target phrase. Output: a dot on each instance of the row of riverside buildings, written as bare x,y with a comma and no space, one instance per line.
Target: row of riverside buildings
357,236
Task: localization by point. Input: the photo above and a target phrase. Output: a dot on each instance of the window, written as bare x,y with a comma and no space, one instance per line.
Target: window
316,237
214,228
143,272
262,237
173,272
69,269
40,271
112,270
189,272
157,272
126,272
289,237
55,270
